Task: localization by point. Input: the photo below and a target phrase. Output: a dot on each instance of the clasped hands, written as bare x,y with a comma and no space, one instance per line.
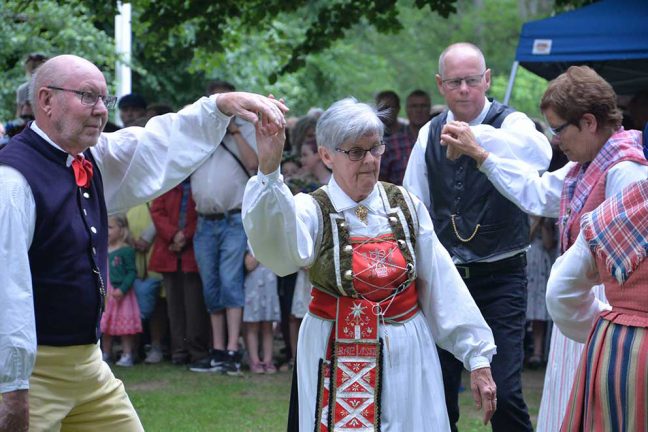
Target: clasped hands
460,140
265,112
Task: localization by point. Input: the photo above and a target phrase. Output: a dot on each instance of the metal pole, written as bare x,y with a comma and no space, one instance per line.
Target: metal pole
509,88
123,49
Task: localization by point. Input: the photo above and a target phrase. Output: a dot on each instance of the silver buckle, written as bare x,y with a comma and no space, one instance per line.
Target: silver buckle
464,271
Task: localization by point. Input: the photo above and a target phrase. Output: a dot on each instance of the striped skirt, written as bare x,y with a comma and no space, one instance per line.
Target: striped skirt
610,391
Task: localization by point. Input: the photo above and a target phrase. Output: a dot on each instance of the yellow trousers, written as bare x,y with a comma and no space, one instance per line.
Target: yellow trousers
73,390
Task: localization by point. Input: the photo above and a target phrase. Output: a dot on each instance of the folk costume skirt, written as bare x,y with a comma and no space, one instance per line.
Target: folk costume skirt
412,384
610,391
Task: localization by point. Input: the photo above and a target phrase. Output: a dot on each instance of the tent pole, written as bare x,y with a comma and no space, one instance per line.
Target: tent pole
509,88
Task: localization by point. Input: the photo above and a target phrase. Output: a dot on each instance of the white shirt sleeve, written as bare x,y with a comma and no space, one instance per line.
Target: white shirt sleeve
522,185
139,164
17,323
517,139
570,298
416,175
456,323
624,174
281,228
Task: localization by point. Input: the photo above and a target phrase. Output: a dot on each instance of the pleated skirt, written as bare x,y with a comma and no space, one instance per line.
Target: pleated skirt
610,391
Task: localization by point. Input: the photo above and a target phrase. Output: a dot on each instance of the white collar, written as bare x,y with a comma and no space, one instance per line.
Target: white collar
43,135
341,201
477,120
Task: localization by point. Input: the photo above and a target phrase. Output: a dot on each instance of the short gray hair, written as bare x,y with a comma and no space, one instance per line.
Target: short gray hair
47,74
345,120
460,46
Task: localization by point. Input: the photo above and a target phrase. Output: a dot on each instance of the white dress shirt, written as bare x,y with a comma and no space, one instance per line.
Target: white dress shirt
137,164
516,140
282,230
217,186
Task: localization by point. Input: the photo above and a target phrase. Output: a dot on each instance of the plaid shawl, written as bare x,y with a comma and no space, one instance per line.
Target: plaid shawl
617,231
581,179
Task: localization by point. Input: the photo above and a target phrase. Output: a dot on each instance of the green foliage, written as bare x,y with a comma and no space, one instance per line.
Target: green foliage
527,92
309,52
49,28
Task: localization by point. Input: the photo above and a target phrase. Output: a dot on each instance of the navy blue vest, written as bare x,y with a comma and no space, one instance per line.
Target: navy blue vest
458,188
68,254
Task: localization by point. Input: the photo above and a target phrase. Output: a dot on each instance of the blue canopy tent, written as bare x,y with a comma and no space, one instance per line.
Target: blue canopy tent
610,36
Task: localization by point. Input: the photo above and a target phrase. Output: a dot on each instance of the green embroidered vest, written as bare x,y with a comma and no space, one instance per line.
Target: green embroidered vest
332,271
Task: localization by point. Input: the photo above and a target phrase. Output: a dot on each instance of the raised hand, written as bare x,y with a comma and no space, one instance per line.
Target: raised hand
460,140
254,108
270,148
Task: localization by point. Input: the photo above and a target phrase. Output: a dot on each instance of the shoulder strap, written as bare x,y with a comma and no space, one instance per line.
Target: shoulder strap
404,230
245,170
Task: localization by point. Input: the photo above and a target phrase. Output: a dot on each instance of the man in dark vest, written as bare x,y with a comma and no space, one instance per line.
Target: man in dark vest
485,234
58,179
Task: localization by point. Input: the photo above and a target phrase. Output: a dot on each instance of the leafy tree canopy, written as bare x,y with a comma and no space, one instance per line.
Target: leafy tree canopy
311,52
46,28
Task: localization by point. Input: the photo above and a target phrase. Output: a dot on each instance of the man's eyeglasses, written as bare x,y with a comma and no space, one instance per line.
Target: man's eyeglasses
358,153
558,130
471,81
89,98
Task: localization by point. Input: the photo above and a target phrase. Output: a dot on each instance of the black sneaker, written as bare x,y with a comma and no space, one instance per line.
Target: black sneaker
211,363
232,363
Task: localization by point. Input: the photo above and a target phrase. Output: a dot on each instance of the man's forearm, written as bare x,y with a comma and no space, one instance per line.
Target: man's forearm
14,411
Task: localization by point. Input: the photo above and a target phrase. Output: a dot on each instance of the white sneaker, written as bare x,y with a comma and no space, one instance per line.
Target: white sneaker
154,356
126,360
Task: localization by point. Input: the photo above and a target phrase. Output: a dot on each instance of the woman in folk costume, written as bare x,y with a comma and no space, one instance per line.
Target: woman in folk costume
385,290
585,123
610,391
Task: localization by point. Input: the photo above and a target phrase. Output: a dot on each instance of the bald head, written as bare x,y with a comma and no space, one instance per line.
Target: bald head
62,91
57,71
462,49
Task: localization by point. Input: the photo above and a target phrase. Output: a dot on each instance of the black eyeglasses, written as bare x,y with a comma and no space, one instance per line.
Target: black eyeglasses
471,81
89,98
358,153
558,130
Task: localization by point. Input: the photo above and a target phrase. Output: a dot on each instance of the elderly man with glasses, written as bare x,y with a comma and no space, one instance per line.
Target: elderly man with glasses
486,234
58,179
585,122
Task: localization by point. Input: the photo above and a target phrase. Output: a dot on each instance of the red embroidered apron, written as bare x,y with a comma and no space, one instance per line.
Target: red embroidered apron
349,382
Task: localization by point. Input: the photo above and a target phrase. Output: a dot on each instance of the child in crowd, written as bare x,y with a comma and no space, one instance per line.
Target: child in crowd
122,314
290,167
260,312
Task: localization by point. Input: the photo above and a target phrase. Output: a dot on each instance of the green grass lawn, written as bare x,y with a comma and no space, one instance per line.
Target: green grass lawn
169,398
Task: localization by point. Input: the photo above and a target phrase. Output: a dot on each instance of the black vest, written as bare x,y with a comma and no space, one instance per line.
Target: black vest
70,241
458,188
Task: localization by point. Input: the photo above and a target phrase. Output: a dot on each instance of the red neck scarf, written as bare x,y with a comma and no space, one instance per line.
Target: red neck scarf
82,168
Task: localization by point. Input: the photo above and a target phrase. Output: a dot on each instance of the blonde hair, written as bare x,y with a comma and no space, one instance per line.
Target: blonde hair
122,222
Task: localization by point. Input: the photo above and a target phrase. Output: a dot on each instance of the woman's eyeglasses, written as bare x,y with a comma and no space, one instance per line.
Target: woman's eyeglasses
358,153
558,130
